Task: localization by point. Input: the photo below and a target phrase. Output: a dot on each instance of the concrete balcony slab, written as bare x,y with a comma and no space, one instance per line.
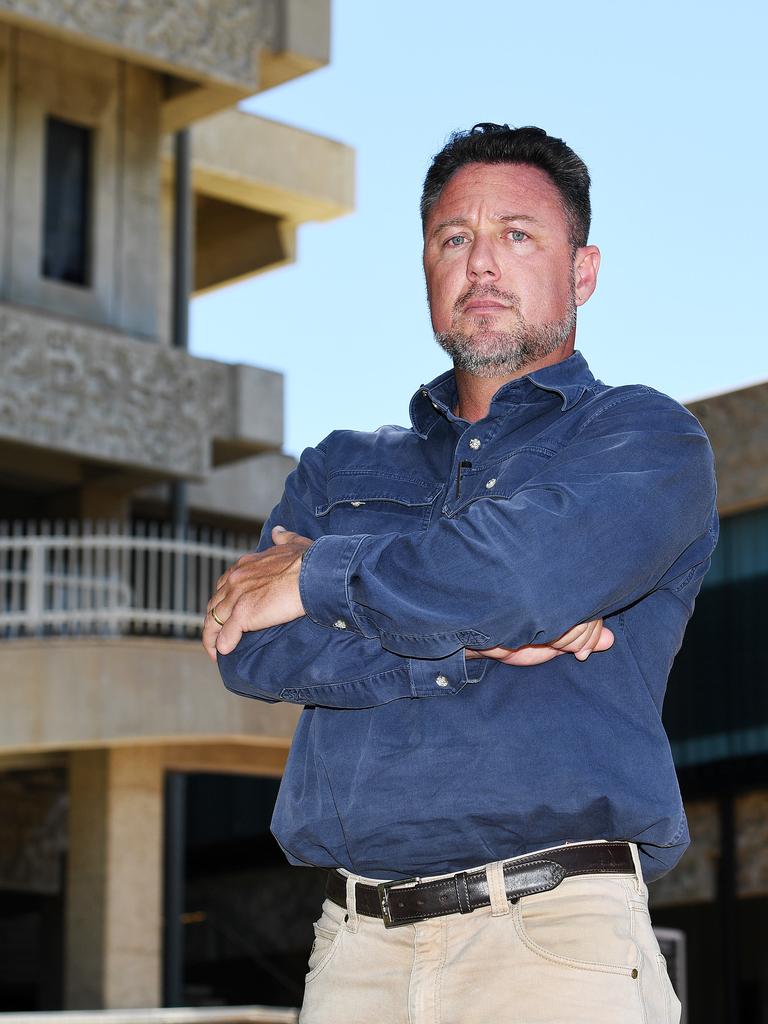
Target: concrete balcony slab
67,693
101,396
216,53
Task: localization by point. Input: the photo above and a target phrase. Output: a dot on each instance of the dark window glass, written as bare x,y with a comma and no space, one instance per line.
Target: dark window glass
717,701
66,222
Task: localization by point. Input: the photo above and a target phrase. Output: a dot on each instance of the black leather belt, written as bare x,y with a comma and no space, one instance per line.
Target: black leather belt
406,900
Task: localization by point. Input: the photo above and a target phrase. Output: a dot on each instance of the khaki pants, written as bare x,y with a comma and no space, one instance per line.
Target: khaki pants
583,953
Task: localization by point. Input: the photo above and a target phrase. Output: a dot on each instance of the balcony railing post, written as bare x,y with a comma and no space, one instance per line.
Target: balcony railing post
36,586
77,580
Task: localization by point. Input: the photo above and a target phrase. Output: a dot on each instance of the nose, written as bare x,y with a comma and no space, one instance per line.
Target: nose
482,264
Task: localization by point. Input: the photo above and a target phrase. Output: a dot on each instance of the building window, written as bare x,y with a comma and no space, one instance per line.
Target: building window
66,221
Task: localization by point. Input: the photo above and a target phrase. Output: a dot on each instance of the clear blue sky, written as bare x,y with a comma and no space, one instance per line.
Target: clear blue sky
666,102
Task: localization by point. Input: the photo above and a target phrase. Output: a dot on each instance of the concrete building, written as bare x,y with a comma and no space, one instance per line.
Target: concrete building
110,432
716,714
135,862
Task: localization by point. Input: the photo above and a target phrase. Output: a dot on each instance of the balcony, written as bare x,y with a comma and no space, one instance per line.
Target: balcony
101,626
214,54
99,579
89,394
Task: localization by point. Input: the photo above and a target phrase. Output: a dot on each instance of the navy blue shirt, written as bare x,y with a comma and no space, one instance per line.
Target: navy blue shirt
571,500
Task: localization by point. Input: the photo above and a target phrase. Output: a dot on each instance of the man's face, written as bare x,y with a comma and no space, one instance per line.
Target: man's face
502,281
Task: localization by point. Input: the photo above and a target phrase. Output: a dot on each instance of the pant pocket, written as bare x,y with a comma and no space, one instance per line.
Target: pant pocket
672,1005
329,931
580,924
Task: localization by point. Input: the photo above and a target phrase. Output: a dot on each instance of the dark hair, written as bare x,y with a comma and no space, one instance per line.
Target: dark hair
499,144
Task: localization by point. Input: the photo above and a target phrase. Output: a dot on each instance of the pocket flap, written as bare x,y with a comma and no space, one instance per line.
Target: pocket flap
357,489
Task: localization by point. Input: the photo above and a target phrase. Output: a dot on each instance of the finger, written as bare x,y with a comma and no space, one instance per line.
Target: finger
606,639
587,644
229,635
282,536
210,633
223,610
574,639
601,641
245,559
223,578
527,657
223,593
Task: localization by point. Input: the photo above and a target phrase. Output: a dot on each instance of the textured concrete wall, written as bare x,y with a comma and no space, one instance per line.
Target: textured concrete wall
201,40
68,692
95,394
41,77
737,424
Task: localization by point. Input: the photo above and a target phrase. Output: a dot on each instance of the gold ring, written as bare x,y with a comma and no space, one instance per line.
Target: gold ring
216,617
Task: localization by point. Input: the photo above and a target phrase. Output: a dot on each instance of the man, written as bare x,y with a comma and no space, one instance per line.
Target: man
481,761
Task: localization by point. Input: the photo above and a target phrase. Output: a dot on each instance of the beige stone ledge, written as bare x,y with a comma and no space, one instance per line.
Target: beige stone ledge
67,693
271,167
737,425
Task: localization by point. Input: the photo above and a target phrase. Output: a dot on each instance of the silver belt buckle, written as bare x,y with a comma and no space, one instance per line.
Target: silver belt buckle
383,889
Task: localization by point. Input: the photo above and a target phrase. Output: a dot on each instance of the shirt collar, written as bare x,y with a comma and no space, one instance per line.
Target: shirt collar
569,378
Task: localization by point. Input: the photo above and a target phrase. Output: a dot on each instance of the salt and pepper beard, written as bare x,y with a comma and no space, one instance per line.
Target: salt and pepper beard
490,353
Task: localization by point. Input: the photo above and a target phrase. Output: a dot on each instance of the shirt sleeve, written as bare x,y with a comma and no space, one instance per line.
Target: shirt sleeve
304,662
624,508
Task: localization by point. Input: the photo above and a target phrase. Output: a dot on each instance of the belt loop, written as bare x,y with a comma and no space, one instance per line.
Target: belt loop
640,885
497,889
353,920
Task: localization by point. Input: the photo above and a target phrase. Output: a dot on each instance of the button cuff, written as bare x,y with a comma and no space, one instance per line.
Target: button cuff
438,677
323,581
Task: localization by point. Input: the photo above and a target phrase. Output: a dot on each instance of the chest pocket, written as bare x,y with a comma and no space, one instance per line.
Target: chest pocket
499,480
372,503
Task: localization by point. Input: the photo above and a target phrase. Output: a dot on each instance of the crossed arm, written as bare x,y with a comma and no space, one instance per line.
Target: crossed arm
622,510
261,590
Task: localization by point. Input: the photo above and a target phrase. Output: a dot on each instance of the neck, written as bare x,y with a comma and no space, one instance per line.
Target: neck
475,393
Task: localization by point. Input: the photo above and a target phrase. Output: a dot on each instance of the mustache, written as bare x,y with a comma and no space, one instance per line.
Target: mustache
487,291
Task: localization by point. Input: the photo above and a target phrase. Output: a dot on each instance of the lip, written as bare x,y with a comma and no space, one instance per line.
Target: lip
484,306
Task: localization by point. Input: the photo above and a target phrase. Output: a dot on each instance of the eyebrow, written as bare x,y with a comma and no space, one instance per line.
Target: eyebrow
456,222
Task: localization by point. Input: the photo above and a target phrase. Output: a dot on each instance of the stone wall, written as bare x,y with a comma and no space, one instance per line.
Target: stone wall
92,393
201,39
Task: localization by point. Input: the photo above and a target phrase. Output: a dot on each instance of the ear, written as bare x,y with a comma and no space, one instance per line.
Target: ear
586,264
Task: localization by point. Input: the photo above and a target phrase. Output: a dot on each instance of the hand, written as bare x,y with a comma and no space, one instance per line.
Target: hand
580,641
258,591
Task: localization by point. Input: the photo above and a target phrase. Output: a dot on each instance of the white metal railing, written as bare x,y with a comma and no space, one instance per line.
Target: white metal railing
170,1015
82,577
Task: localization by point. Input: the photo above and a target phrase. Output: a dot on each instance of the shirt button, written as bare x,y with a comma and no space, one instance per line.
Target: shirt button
339,624
475,443
443,681
490,483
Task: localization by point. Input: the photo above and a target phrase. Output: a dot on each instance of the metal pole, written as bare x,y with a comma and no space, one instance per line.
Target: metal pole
183,259
729,909
175,852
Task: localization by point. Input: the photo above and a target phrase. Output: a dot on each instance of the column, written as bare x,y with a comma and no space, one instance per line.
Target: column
114,879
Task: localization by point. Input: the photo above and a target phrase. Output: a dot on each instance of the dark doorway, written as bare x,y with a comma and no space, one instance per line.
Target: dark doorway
245,915
33,839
